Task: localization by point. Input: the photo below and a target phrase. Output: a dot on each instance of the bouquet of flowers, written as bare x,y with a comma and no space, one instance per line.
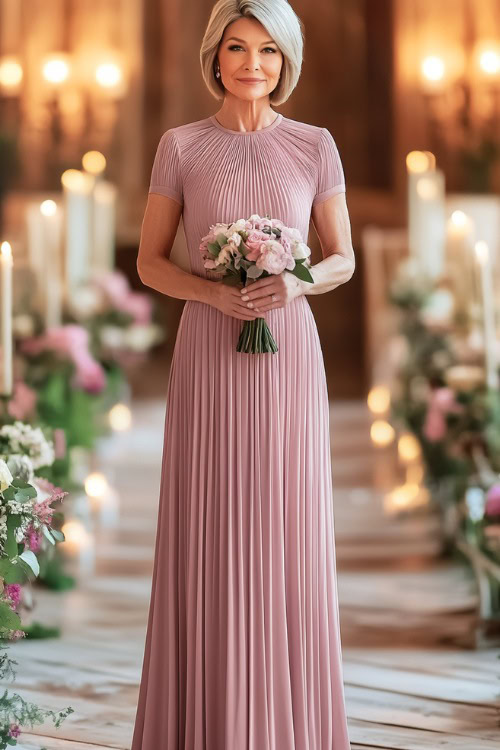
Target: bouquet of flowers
249,249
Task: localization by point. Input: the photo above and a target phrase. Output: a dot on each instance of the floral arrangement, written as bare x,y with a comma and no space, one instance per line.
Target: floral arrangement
249,249
439,392
26,527
69,343
120,321
60,383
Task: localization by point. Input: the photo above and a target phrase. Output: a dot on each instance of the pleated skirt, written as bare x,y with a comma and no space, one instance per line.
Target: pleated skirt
243,648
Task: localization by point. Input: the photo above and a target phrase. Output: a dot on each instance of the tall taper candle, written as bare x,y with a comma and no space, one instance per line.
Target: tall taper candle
6,313
491,361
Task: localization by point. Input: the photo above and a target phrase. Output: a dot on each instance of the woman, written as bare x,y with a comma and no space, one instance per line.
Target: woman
243,647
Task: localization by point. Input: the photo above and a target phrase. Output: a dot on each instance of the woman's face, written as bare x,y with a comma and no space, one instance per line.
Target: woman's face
247,51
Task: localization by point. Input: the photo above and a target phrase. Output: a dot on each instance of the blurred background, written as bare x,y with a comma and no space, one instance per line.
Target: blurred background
410,90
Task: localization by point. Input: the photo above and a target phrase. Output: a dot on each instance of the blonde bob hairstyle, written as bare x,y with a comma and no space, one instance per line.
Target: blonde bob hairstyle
283,25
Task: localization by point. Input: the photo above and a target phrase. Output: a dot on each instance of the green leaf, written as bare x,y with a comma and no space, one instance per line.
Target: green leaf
48,535
301,272
9,620
30,559
58,535
11,544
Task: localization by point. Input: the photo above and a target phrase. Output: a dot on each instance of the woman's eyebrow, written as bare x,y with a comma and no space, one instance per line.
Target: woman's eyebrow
242,40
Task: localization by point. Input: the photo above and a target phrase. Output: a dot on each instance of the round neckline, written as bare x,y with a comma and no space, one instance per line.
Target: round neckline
265,129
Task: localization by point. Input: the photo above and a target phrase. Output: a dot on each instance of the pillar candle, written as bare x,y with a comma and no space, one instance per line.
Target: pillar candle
488,313
6,314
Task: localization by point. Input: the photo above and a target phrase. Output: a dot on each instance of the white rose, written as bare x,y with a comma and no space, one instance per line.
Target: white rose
301,250
5,476
112,337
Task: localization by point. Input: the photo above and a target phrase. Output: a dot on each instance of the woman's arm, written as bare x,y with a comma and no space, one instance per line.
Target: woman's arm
159,227
333,227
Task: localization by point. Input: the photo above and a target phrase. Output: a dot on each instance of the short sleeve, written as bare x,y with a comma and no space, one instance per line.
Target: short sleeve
166,178
330,175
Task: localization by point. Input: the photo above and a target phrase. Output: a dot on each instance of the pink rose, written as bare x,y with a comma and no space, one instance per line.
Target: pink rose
442,401
274,258
23,401
72,341
492,506
255,244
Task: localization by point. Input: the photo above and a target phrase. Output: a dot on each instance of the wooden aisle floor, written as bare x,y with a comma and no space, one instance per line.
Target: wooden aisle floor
405,612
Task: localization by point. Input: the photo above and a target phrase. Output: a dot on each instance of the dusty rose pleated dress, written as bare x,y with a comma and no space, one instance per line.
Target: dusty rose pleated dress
243,648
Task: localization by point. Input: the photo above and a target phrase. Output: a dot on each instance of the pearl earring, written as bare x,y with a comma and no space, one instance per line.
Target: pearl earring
217,73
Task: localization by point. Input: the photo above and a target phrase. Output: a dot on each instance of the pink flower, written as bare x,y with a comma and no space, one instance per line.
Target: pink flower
255,242
275,258
23,401
115,286
71,341
492,506
15,635
441,402
59,442
139,306
14,730
33,538
13,592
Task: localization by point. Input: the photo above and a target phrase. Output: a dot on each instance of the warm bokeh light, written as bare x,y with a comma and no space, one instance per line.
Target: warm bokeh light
406,496
382,433
77,181
56,69
75,533
379,399
427,189
6,250
11,72
408,447
420,161
120,417
459,219
487,55
482,251
48,208
96,485
433,68
94,162
489,62
108,75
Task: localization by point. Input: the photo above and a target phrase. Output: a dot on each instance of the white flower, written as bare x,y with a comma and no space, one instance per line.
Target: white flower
238,226
300,250
112,337
5,476
30,441
140,338
23,325
475,501
86,300
21,466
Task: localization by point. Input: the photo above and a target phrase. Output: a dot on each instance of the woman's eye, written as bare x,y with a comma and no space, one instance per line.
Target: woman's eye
237,46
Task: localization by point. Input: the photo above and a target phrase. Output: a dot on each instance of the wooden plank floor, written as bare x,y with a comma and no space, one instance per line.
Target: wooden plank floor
410,684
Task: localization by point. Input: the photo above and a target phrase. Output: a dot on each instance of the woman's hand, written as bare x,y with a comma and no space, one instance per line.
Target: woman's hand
258,294
228,300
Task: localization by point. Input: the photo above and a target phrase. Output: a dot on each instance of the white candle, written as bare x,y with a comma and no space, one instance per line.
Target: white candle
460,238
78,226
6,313
426,212
51,217
104,229
488,316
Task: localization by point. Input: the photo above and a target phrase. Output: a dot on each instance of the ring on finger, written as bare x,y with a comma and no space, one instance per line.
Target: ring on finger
274,297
